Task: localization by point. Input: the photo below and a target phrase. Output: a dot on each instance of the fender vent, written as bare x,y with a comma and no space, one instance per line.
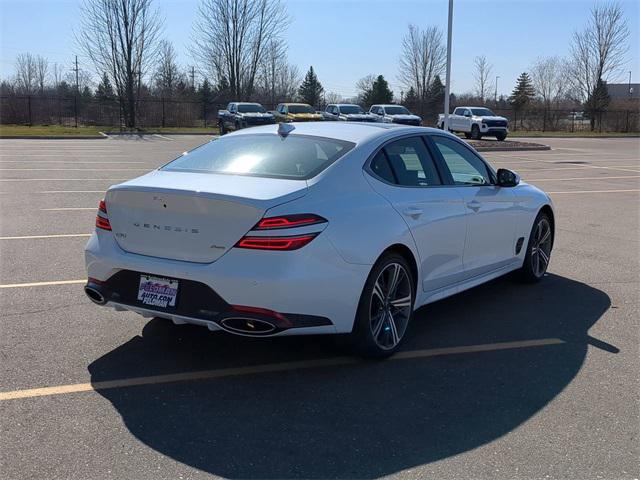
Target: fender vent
519,245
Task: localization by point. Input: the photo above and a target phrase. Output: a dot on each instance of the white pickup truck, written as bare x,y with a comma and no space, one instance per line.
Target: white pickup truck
476,122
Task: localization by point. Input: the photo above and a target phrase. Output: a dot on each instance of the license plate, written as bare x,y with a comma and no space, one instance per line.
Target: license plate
157,292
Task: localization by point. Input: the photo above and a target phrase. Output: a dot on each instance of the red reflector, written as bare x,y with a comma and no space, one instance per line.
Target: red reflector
276,243
95,280
103,223
282,320
289,221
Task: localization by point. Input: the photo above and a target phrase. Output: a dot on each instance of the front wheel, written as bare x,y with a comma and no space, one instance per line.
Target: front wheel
536,261
385,308
467,135
501,136
475,132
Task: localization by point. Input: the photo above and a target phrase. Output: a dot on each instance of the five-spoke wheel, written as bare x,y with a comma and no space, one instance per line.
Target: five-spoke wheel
538,254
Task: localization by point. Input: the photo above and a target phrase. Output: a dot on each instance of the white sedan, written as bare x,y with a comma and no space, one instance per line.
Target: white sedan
314,228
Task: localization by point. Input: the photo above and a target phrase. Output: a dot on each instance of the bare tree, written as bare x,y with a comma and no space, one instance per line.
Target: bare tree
548,76
333,97
42,70
363,87
423,57
482,76
167,73
120,37
57,72
597,54
26,73
231,39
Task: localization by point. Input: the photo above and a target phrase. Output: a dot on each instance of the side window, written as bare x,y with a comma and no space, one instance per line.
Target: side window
380,166
411,163
465,167
457,111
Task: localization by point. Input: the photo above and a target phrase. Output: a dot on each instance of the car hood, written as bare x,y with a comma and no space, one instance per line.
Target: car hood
306,116
489,118
404,117
357,116
256,115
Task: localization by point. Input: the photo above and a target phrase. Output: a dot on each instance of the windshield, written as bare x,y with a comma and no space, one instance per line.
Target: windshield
482,112
251,108
301,109
396,110
350,109
263,155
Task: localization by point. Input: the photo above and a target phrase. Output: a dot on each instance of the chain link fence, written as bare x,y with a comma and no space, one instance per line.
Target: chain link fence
152,112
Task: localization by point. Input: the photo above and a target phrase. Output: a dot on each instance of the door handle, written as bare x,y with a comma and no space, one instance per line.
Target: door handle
474,205
413,212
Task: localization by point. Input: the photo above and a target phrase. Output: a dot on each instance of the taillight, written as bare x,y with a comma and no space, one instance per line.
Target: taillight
289,221
276,243
102,220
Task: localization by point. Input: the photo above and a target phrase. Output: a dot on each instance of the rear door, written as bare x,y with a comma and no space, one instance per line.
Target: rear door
406,175
490,210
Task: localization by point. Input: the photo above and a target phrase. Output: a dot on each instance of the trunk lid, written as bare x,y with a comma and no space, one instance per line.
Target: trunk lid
195,217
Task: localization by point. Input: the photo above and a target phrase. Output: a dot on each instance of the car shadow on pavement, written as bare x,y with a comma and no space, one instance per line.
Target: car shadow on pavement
359,420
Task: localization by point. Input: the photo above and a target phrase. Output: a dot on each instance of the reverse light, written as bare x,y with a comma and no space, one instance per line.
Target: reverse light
276,243
289,221
102,220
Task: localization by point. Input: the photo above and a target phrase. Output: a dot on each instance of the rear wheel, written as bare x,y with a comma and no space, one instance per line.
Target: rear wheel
536,261
467,135
385,308
221,128
475,132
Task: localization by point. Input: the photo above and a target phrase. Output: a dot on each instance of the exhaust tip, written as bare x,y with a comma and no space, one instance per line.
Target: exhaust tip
94,295
247,326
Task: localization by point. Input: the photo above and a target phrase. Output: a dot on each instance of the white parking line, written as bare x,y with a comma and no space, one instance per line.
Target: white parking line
95,162
77,169
67,209
33,237
59,179
72,191
20,155
579,178
42,284
594,191
266,368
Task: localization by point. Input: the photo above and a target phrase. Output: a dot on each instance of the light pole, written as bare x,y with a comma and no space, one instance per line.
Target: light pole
495,96
630,90
447,87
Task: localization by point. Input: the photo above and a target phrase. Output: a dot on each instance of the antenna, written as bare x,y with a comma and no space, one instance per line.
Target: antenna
285,129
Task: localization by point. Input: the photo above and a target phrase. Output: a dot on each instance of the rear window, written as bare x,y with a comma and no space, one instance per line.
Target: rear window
294,156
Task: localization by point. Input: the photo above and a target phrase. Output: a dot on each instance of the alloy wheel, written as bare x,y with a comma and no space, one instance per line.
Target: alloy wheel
541,247
390,306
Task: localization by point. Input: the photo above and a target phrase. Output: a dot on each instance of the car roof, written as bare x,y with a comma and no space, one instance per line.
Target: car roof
247,103
387,105
346,104
293,103
356,132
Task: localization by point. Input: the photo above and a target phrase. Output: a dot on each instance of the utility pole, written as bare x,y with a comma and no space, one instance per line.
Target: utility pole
77,82
193,77
447,87
75,96
401,96
630,89
495,96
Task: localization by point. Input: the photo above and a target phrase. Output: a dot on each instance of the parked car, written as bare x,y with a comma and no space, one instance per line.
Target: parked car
476,122
395,114
241,115
309,228
296,112
348,112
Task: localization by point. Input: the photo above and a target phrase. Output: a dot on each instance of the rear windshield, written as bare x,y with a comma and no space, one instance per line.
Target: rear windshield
263,155
301,109
251,108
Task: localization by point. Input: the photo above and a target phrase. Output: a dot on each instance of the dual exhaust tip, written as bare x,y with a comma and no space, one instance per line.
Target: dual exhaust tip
238,325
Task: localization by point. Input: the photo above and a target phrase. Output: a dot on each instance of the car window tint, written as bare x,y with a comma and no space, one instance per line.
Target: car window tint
380,166
411,163
294,156
465,167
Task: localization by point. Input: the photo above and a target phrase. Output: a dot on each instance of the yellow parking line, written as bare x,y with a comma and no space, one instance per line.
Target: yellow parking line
268,368
42,284
33,237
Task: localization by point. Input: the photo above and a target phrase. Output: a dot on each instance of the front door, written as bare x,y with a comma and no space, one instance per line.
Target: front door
491,210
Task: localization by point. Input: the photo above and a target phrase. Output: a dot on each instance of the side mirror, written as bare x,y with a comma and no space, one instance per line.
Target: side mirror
507,178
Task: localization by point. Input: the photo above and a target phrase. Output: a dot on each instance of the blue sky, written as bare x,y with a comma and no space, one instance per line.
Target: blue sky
347,39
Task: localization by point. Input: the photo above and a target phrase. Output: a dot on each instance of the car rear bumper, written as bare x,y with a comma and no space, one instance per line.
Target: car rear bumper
311,290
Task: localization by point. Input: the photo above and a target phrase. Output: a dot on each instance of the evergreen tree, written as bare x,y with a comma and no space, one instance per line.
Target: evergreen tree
105,90
378,93
522,93
311,90
435,94
411,98
205,93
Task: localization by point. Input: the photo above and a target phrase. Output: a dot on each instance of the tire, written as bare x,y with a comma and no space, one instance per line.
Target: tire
467,135
382,318
221,128
501,136
536,260
475,132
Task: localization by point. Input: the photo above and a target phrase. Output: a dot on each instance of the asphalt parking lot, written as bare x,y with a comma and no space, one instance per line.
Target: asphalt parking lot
503,381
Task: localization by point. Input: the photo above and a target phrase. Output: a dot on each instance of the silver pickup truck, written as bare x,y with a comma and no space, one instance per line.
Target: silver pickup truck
476,122
241,115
